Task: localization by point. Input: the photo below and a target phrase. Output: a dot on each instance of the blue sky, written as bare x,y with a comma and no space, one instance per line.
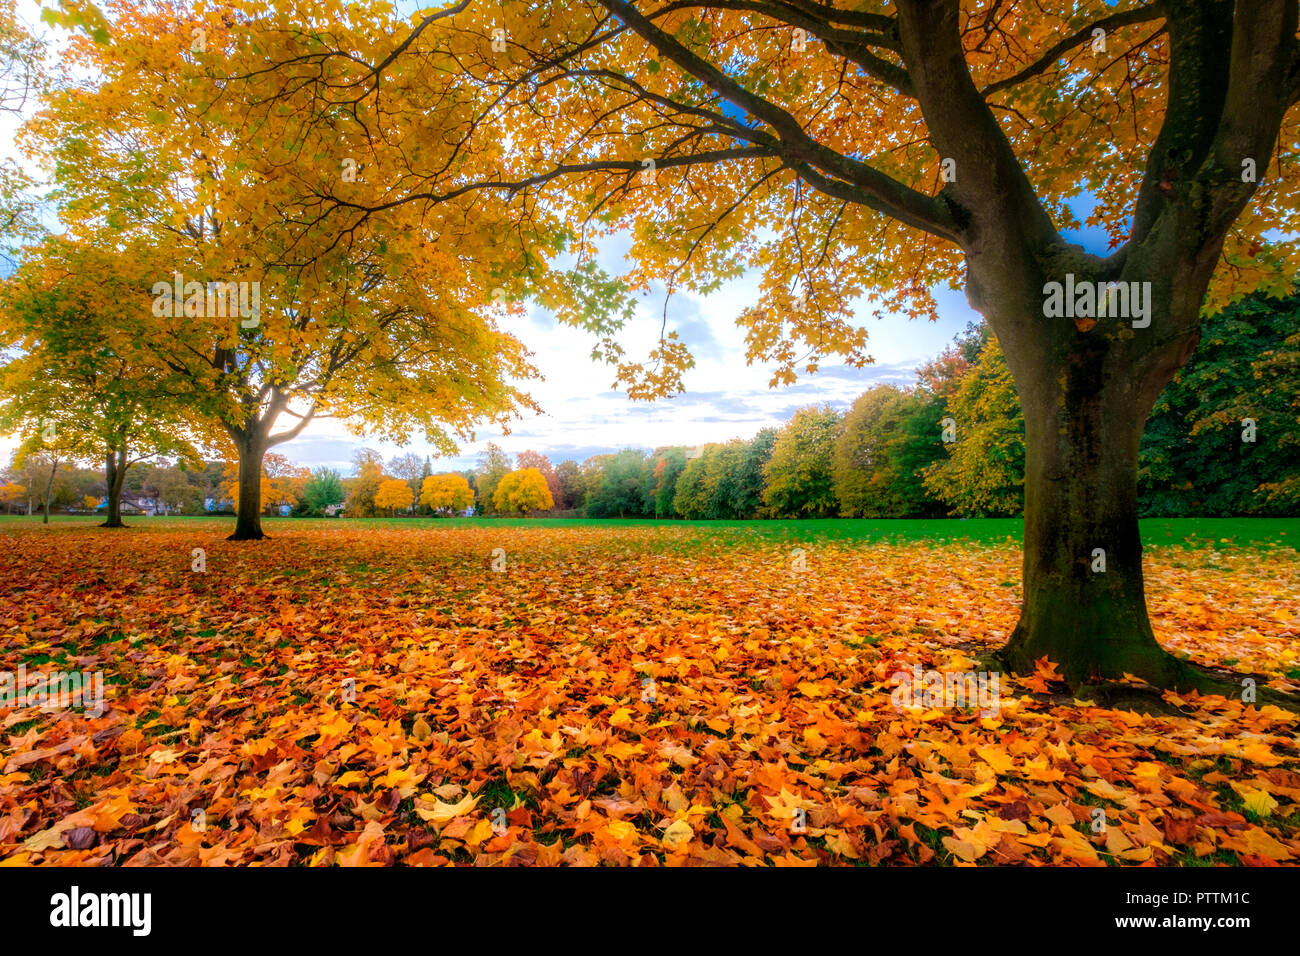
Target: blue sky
724,398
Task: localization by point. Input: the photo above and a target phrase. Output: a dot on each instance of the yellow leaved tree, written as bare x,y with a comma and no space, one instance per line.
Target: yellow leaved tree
868,153
446,493
523,491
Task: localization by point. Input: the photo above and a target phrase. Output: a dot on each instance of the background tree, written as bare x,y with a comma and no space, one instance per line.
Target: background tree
286,481
749,478
10,494
409,467
81,366
668,466
619,490
1195,457
22,77
869,468
446,493
493,465
389,330
363,488
523,491
394,493
983,473
568,474
798,482
170,487
533,459
323,489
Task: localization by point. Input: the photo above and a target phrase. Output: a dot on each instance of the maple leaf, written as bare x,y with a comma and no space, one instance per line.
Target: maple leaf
443,812
678,834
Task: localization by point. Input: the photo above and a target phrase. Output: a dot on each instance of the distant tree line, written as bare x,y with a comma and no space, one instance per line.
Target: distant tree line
1223,439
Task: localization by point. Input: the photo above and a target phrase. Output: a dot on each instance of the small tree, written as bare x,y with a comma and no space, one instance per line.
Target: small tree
11,492
984,471
523,491
450,492
322,489
798,481
493,465
365,486
394,493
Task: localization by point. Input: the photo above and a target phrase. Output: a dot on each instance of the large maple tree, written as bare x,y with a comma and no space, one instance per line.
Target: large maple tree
870,149
391,330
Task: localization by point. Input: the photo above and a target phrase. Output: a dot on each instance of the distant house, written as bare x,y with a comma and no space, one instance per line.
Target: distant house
332,511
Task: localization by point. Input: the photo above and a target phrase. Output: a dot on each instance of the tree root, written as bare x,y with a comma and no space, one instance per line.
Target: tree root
1164,672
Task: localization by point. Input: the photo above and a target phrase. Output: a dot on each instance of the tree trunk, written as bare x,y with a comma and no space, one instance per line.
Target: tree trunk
115,466
1086,390
49,490
248,509
1084,605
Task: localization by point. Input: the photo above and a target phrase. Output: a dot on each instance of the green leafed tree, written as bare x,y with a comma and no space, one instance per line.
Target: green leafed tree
798,478
323,489
1224,437
83,379
983,472
886,440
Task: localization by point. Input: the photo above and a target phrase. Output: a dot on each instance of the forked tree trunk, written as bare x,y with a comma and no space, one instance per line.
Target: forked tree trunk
248,508
115,465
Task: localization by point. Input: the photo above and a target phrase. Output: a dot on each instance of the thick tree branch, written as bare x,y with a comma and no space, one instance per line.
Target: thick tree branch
872,188
1263,51
1197,84
990,184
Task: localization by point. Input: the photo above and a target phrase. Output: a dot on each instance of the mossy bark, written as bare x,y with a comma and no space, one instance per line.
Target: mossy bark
248,509
115,465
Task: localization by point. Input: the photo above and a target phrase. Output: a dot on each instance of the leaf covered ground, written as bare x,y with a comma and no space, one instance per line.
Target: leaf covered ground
631,695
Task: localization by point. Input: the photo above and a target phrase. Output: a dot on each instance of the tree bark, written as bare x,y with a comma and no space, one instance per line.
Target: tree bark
49,490
115,465
1086,387
1084,604
248,509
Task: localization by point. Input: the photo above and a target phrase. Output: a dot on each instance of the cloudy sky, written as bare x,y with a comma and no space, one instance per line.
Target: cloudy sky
724,398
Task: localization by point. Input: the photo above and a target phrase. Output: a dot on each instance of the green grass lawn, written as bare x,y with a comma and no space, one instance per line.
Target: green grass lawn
1189,532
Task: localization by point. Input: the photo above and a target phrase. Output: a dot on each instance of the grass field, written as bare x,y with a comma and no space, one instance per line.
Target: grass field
529,692
1194,532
